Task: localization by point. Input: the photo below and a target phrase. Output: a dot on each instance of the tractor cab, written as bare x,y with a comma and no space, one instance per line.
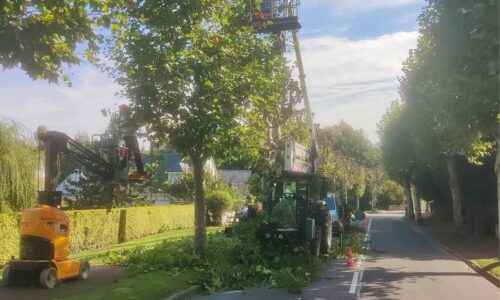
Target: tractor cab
274,16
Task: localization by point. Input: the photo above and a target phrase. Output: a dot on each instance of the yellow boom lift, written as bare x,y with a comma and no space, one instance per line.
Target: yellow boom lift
45,228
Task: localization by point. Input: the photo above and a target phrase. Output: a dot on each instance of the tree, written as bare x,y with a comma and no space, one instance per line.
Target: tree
450,86
41,37
391,193
19,163
348,159
398,154
194,70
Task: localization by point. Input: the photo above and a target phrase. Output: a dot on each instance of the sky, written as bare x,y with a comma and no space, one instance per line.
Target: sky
352,53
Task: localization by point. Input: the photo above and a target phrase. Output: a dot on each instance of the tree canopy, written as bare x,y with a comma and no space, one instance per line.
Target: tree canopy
449,94
194,70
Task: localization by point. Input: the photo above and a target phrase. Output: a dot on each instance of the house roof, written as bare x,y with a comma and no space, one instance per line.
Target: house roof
171,161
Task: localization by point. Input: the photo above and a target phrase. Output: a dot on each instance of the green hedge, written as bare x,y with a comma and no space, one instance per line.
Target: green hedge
143,221
9,236
99,228
93,229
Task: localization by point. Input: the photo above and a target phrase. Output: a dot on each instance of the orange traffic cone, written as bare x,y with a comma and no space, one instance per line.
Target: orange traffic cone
350,261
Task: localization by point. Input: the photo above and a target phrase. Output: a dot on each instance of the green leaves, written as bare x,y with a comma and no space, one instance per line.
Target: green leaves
193,71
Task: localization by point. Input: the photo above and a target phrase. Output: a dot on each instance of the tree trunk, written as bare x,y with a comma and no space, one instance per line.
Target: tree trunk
374,201
357,202
418,210
456,194
409,201
200,234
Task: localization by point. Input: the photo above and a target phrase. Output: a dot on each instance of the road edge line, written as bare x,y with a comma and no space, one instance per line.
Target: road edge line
356,288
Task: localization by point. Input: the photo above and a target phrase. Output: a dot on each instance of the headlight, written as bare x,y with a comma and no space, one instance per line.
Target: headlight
280,236
268,235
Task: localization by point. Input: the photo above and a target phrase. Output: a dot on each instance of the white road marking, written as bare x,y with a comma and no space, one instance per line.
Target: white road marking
358,276
354,283
358,292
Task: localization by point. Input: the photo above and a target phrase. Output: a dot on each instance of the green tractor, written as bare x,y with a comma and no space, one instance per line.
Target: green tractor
298,213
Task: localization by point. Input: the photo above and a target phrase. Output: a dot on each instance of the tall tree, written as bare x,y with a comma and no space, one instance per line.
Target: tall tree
194,70
18,166
41,37
398,155
451,86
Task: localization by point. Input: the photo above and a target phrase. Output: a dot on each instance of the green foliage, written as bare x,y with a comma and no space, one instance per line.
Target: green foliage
9,237
101,228
229,262
41,36
349,160
398,154
194,70
183,188
143,221
18,167
214,64
93,229
218,202
391,193
449,106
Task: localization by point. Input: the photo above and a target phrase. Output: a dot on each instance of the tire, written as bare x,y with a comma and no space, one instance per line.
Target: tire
316,243
84,270
326,238
6,277
48,278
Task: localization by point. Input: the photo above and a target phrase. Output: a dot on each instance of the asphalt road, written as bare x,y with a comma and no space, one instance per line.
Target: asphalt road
99,275
405,264
401,264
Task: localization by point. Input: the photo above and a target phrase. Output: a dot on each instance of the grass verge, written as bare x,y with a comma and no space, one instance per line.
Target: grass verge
491,265
100,256
147,286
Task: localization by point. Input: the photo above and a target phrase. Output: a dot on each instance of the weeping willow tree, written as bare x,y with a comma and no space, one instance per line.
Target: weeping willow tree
18,167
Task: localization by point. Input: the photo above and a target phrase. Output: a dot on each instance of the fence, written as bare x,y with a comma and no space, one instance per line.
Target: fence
396,207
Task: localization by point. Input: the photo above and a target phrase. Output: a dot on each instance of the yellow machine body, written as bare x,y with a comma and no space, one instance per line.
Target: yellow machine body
45,235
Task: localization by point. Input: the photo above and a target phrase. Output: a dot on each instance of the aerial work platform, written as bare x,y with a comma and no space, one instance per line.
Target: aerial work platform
274,16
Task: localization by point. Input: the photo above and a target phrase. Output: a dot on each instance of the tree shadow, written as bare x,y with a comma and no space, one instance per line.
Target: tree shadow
382,283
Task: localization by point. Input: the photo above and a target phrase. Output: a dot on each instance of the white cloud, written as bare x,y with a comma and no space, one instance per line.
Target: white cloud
62,108
350,80
354,80
352,7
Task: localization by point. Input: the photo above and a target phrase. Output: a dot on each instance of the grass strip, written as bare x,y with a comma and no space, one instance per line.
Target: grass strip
98,256
147,286
491,265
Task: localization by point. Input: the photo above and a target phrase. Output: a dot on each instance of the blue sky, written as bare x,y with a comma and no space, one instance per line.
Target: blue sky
352,53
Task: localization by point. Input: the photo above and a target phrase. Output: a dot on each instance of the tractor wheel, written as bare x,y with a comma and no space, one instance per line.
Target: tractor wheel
316,243
326,238
48,278
6,277
84,270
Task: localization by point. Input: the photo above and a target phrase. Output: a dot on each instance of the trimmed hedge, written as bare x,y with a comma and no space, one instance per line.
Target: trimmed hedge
100,228
9,237
93,229
143,221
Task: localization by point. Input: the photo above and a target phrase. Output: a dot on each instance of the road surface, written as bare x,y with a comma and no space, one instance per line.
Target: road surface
402,264
99,276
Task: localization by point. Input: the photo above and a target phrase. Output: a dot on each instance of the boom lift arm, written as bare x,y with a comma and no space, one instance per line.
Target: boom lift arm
58,142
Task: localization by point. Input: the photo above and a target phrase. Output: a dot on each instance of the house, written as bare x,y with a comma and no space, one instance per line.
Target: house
238,179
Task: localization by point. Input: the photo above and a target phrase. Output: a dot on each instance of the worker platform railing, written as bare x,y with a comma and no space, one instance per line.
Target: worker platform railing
274,16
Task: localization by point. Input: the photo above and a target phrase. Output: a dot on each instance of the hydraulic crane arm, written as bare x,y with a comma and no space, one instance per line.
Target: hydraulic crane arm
57,143
310,124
